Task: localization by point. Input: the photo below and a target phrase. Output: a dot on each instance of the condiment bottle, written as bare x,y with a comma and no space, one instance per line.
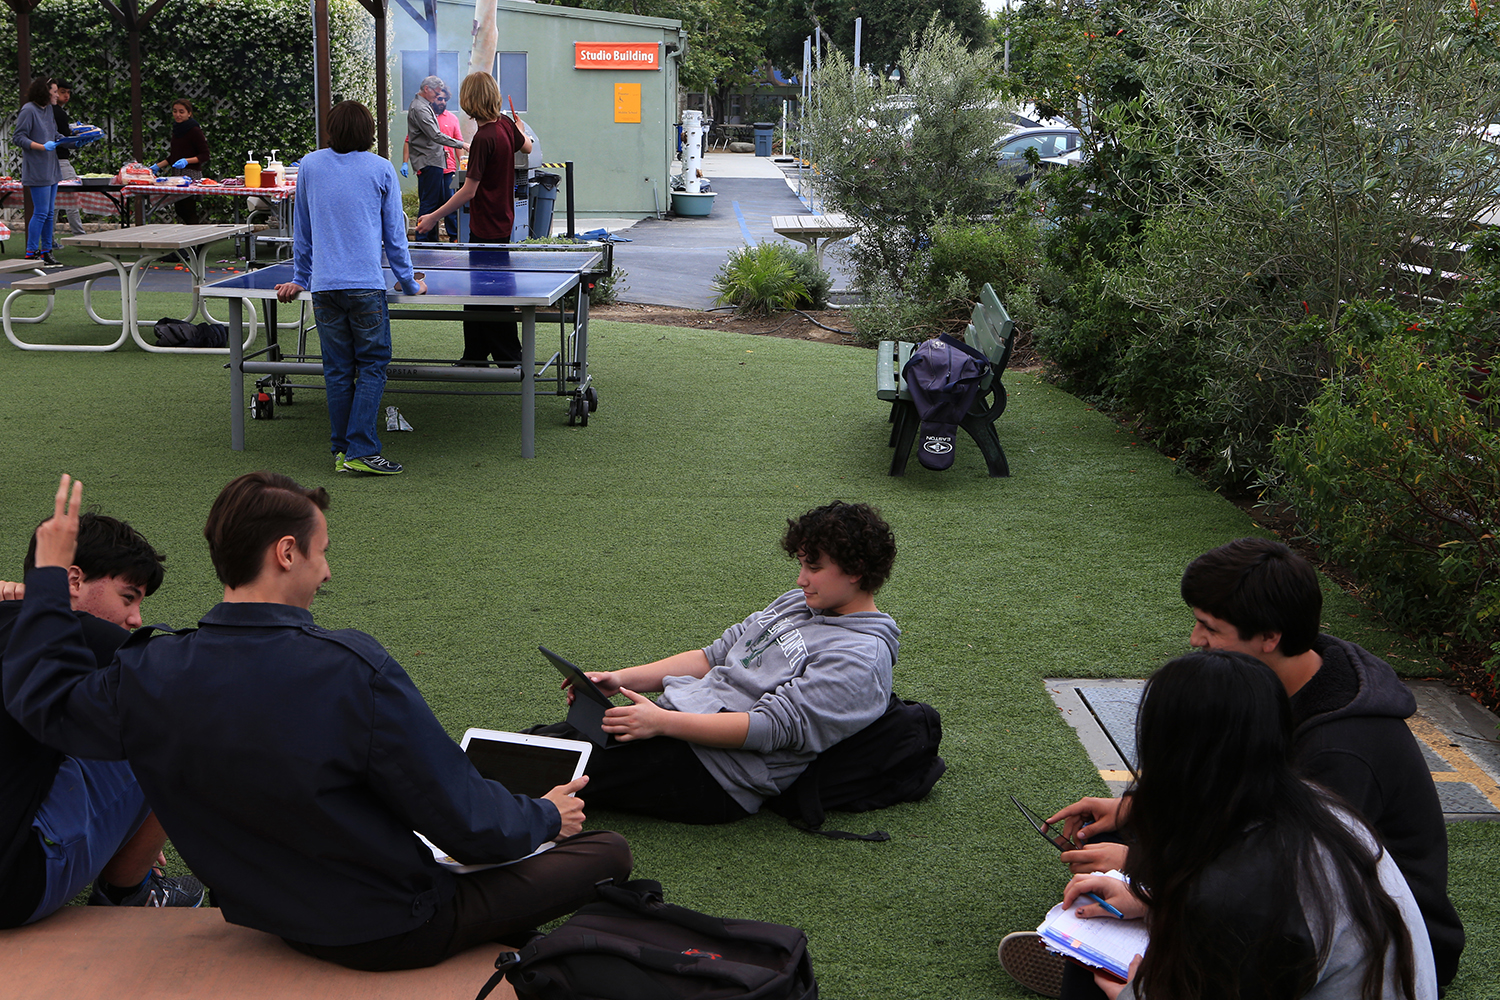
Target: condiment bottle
252,171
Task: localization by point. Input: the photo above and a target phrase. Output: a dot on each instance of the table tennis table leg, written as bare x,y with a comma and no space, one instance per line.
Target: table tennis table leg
236,374
528,382
581,336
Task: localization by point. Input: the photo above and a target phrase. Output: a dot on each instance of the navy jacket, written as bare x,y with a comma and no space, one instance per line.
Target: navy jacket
287,762
1351,736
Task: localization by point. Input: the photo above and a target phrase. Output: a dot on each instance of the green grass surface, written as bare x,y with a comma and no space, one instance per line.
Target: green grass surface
654,528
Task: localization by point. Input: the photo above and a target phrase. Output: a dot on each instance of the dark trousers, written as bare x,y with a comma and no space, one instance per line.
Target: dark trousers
189,212
429,198
450,221
660,777
494,905
489,339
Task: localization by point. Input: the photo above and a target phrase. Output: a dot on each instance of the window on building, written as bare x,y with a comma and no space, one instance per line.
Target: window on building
510,73
414,69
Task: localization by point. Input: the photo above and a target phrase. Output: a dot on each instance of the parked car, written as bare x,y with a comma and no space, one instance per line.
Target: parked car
1048,142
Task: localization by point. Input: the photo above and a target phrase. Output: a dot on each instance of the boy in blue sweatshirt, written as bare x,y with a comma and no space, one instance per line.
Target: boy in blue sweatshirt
349,207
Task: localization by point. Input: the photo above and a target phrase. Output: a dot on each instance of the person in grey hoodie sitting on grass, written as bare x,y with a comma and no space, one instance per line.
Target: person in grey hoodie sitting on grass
741,718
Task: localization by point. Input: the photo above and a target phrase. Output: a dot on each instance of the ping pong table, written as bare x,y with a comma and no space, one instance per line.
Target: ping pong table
509,282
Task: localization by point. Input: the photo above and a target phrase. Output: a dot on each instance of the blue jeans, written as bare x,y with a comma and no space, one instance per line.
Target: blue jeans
354,329
39,226
93,808
429,198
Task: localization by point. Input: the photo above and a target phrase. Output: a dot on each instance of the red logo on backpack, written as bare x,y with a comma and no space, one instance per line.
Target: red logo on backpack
704,954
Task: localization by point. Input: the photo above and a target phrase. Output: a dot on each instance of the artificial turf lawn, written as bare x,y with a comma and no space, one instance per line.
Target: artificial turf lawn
654,528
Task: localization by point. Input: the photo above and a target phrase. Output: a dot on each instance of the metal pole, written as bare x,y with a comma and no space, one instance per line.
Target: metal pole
568,172
859,27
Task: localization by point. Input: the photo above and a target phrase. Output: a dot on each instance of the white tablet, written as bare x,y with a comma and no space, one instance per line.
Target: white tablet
525,765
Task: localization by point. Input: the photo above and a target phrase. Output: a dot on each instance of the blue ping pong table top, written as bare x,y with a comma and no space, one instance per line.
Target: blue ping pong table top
424,258
444,287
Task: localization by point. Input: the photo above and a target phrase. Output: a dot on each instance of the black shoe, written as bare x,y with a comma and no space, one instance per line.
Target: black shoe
156,890
48,260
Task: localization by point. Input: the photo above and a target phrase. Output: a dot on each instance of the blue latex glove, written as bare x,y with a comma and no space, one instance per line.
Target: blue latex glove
405,170
155,169
49,145
180,164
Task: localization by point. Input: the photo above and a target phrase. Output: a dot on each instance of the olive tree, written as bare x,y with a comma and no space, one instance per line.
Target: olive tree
1304,150
896,159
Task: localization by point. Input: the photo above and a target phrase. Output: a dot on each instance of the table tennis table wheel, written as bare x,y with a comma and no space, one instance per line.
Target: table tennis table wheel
578,411
284,394
262,407
592,397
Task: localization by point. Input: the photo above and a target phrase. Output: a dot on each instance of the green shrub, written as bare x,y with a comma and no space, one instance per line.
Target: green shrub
769,277
1397,471
1003,252
888,314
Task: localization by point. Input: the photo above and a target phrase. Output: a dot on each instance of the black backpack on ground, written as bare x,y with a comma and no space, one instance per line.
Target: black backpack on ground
632,945
180,333
893,759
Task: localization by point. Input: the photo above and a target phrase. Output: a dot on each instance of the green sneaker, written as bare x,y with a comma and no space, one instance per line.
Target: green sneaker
373,464
338,462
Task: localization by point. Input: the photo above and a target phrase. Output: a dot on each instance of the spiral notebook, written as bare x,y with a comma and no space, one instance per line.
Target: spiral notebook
1101,942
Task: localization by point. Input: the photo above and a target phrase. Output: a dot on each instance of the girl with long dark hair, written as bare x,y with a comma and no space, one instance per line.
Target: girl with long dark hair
36,135
1254,884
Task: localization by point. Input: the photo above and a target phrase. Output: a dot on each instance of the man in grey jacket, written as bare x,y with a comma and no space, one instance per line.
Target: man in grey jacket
428,157
740,719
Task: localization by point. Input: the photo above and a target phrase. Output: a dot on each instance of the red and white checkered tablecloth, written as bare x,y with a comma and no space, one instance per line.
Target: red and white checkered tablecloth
165,194
69,196
77,196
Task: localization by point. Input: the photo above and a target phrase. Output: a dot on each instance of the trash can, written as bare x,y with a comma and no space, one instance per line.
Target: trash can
765,134
543,200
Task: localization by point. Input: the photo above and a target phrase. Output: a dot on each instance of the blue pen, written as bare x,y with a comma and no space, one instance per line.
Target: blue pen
1100,900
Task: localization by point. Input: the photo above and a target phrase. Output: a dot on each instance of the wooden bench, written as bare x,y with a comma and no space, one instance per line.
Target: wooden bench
48,283
809,229
990,331
180,954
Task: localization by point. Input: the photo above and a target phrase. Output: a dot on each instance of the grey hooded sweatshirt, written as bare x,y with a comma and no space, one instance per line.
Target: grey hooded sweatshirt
808,681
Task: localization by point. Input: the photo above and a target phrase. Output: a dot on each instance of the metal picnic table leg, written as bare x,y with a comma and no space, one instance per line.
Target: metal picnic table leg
236,375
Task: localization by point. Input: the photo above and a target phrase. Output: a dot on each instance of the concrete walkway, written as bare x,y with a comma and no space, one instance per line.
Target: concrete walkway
1454,732
672,261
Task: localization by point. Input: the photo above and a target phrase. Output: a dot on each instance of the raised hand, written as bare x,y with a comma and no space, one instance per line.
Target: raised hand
57,537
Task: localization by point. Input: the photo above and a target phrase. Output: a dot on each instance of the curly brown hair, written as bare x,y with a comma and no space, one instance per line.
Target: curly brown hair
853,535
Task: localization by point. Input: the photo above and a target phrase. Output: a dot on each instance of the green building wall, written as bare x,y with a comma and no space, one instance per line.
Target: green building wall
619,169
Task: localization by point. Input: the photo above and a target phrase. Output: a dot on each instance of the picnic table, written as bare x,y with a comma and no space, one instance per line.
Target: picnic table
809,229
129,251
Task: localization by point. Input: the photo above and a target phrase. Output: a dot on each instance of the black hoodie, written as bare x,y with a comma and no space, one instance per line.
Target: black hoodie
1350,736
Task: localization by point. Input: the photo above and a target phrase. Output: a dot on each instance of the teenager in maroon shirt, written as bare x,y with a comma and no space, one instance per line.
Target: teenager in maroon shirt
489,189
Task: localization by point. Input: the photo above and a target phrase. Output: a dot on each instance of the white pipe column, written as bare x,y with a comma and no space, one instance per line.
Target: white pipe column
692,144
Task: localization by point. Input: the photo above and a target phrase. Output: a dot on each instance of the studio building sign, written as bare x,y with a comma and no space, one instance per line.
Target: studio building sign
617,55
